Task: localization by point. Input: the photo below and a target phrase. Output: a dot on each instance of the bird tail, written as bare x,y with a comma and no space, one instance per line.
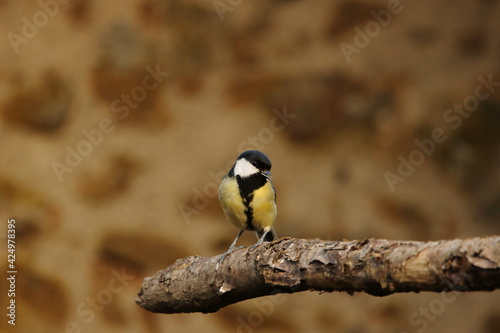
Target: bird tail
270,236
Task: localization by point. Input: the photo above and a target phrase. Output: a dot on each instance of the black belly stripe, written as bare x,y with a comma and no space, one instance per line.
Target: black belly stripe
249,213
247,186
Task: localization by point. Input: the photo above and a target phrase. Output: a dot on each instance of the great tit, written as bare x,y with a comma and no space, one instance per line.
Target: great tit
248,197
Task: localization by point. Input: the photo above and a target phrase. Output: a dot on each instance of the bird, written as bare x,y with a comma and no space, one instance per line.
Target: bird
248,197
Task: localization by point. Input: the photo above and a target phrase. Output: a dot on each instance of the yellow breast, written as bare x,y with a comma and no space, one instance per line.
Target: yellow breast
232,204
262,205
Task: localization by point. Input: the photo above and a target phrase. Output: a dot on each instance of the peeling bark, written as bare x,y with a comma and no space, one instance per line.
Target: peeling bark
374,266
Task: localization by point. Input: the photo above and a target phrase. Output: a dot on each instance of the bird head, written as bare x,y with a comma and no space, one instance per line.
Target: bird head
252,162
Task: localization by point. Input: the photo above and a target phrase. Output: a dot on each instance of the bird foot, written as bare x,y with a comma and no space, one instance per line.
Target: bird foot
225,254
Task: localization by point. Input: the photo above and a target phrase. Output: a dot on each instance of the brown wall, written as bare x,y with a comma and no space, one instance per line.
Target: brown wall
117,119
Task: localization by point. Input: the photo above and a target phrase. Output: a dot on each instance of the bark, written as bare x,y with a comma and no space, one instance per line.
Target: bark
374,266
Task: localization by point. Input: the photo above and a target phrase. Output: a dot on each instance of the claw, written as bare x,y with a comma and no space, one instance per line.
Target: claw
225,254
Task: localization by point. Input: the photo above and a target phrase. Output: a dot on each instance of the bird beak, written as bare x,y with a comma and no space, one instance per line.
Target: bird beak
267,174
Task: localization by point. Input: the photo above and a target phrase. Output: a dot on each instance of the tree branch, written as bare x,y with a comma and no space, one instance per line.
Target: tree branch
287,265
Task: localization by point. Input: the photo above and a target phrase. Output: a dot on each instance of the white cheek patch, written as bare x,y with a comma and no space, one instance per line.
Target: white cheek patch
243,168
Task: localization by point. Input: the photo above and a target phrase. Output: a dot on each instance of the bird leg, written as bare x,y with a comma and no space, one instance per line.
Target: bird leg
261,239
231,248
233,245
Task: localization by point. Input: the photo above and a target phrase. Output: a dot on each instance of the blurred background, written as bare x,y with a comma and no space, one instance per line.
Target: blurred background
118,119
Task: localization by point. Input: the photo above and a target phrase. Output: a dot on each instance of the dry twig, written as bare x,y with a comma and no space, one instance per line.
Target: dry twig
377,267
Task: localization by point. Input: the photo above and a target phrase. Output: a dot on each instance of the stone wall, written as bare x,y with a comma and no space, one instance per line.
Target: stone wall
118,118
